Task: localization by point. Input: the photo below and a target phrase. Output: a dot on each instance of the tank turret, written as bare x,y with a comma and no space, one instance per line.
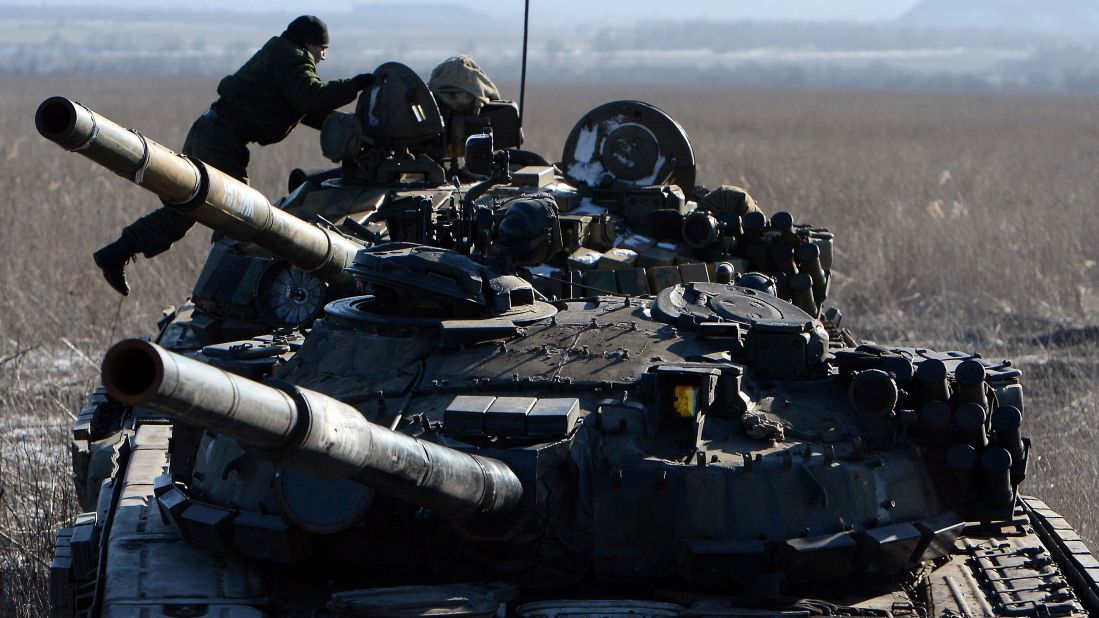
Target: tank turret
195,189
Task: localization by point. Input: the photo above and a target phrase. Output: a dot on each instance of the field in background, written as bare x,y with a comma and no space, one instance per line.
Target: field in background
961,221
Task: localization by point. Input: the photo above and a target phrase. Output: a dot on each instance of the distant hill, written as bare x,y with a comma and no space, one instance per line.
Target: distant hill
1076,17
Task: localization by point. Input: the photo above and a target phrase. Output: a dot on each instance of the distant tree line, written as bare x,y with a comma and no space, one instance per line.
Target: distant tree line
742,54
824,36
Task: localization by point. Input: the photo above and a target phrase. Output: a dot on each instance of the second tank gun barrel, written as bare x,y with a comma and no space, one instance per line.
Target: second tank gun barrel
195,189
310,431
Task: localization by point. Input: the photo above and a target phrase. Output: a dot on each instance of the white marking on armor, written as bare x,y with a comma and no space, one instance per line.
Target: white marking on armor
588,140
587,173
588,207
585,145
372,120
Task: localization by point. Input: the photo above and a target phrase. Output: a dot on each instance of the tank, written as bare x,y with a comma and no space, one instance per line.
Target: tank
482,420
619,214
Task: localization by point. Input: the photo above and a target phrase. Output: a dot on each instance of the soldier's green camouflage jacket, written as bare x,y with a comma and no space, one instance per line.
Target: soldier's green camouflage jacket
277,88
262,102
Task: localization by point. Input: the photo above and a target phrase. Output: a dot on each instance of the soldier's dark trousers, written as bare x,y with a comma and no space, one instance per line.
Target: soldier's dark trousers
216,142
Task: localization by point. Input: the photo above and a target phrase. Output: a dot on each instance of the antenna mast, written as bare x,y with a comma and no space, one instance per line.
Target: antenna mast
523,79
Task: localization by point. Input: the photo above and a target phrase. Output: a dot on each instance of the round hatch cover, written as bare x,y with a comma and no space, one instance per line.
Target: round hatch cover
628,143
713,302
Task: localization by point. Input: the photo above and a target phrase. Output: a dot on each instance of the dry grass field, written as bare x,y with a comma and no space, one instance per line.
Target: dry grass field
963,222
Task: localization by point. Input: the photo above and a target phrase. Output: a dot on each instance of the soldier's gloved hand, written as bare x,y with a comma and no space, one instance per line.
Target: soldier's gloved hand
363,80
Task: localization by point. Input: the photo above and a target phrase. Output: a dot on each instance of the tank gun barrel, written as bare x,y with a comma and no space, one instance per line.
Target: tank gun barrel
195,189
310,431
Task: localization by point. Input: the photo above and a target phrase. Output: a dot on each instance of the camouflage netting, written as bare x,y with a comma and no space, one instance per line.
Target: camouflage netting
341,136
461,85
728,198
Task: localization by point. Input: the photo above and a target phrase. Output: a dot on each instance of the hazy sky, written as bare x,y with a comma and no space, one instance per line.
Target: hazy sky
626,10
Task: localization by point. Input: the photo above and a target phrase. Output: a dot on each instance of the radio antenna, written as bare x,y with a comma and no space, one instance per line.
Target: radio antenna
523,78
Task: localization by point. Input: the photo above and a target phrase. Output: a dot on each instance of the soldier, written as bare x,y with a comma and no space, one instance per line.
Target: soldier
262,102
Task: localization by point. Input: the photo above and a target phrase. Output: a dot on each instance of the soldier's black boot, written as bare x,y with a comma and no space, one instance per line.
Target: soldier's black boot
112,261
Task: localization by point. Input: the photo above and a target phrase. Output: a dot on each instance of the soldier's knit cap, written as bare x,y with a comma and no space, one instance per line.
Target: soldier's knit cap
307,30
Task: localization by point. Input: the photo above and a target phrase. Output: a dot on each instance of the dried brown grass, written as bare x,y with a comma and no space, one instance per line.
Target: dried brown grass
962,221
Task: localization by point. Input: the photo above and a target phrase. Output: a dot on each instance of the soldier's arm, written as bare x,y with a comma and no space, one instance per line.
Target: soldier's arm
310,95
315,119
